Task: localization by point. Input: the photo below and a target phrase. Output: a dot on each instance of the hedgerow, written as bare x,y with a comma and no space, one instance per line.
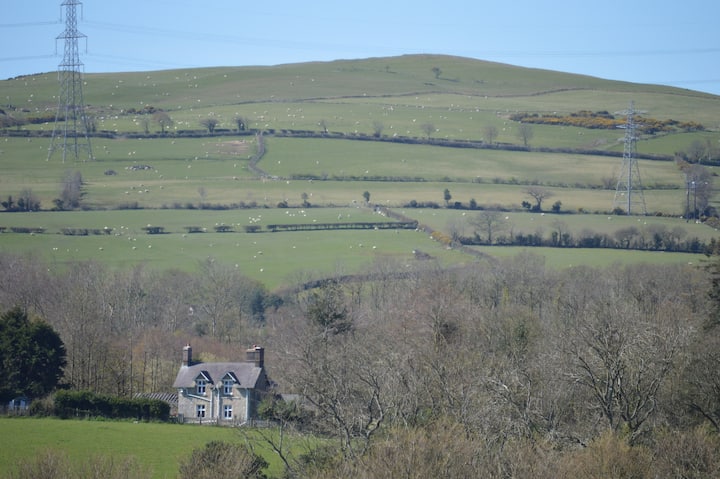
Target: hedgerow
88,404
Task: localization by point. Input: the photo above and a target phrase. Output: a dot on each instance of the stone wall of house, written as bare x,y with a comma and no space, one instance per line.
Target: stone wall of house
214,402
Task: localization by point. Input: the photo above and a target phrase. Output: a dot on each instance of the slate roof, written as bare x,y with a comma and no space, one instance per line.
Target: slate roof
246,374
170,398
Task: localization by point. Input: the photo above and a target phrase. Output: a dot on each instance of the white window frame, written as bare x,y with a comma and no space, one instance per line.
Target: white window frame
227,411
228,387
200,411
201,387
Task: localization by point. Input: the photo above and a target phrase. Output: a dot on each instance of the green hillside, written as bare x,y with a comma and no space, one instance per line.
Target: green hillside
407,81
403,129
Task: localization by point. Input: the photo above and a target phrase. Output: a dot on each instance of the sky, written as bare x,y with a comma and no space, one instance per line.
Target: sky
658,42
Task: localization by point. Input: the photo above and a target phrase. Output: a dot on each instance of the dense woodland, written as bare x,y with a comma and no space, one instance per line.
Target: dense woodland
499,369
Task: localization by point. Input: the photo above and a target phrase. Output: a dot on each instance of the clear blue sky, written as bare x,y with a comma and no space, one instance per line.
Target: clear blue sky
669,43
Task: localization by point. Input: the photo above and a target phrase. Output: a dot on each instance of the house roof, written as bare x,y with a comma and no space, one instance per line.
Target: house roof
246,374
170,398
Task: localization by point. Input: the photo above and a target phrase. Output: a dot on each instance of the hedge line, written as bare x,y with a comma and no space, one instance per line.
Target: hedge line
73,403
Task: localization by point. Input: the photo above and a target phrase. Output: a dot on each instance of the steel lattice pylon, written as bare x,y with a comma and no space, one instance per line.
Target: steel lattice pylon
629,189
70,133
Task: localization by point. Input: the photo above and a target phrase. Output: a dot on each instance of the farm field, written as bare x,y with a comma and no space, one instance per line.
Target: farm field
193,171
159,448
168,176
278,259
275,259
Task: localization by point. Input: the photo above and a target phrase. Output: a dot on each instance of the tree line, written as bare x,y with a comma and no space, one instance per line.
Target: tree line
489,227
497,369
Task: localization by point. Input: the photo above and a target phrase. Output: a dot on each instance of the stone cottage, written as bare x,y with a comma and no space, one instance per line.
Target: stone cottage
222,393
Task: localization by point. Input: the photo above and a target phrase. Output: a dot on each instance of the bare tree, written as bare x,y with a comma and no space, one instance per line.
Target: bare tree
72,191
622,358
488,222
525,133
28,201
202,192
561,235
163,119
428,129
539,194
210,124
699,192
490,133
378,128
343,376
696,151
241,123
224,300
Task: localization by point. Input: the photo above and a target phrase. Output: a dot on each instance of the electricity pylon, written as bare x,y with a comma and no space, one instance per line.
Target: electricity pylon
70,133
629,187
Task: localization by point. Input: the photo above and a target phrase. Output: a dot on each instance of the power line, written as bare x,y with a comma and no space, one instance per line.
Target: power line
604,53
17,59
28,24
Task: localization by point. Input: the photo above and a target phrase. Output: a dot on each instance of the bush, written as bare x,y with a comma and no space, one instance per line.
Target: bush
608,456
42,407
53,464
74,403
223,459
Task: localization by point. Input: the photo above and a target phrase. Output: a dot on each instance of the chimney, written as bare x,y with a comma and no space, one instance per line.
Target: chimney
187,356
256,355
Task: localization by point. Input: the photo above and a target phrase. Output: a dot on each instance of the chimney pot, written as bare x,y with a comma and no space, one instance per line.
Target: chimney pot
256,355
187,356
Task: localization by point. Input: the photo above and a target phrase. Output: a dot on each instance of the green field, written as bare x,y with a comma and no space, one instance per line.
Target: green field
273,258
159,448
351,99
276,259
184,171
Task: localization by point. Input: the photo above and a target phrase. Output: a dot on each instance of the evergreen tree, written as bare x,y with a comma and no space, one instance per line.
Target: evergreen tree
32,356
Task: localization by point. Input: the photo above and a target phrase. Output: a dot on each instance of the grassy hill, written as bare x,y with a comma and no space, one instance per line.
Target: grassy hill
402,82
431,114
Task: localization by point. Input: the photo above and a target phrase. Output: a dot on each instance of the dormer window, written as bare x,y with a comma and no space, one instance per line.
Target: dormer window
228,386
200,386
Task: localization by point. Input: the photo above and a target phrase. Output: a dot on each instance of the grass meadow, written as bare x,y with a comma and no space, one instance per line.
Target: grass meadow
398,95
159,448
278,259
275,259
190,171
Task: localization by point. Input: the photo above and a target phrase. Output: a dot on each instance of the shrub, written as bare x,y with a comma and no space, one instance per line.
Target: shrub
608,456
73,403
223,459
53,464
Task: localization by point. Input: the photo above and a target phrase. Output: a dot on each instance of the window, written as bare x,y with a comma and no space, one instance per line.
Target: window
200,385
200,409
227,411
227,386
